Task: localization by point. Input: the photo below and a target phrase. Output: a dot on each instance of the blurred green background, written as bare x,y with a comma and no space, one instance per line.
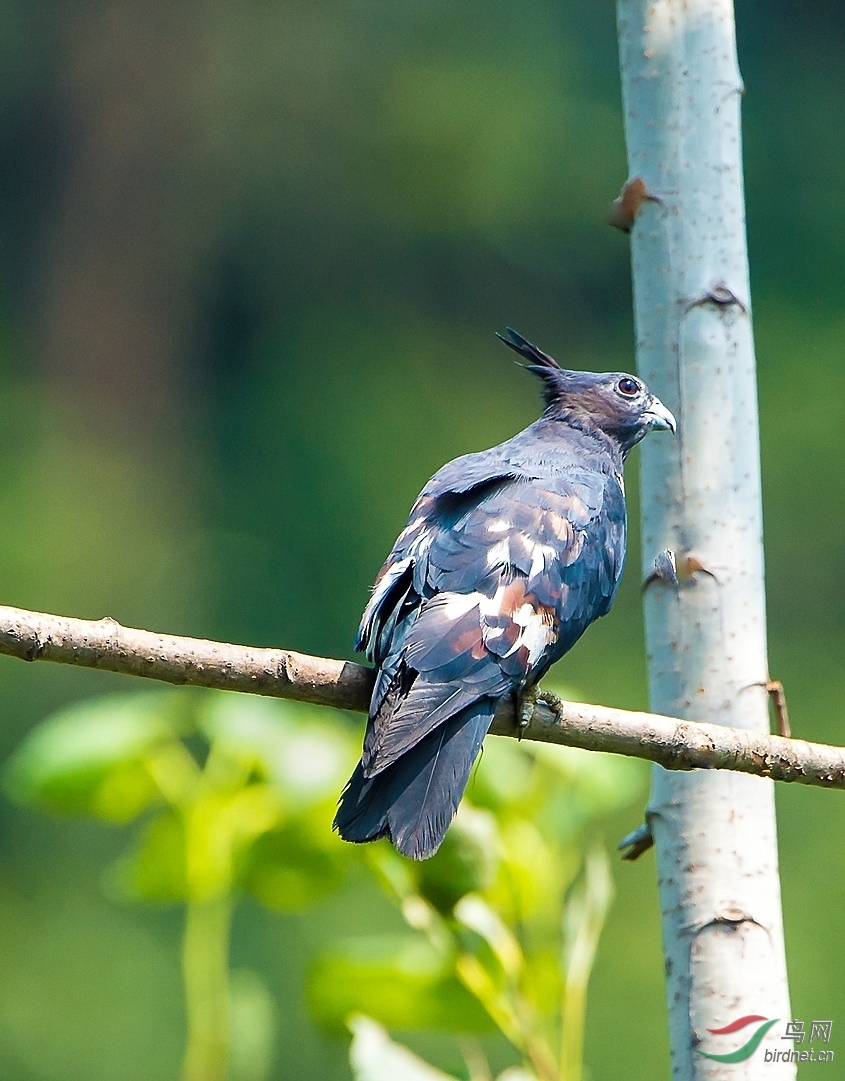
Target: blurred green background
251,258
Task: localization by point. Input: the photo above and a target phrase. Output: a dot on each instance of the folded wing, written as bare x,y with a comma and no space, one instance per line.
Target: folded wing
487,586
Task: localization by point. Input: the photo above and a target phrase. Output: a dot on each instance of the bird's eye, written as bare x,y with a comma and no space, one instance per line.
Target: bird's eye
628,386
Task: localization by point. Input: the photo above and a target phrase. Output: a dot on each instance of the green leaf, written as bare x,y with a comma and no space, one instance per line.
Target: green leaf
465,863
155,870
373,1056
533,874
292,866
91,758
302,750
504,777
596,784
584,918
400,980
474,913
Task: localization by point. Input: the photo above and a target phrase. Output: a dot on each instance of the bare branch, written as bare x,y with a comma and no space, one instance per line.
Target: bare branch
279,673
106,645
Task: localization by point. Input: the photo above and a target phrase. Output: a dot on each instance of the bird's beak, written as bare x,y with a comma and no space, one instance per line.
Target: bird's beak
658,416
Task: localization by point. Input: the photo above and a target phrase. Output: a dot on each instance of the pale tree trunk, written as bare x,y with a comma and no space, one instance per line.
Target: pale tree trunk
706,636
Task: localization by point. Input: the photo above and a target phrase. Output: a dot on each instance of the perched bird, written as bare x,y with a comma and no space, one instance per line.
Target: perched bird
508,556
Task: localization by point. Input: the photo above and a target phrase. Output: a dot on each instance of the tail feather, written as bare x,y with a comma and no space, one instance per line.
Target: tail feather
424,708
362,813
413,801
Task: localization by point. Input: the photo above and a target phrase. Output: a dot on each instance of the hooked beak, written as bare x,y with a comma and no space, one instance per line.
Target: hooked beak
658,416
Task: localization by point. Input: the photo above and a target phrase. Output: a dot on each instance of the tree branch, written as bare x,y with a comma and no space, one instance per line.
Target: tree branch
675,744
106,645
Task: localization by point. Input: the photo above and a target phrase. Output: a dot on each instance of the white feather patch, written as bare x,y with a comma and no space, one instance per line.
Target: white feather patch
381,590
542,556
536,632
492,606
410,528
455,605
536,636
422,543
500,553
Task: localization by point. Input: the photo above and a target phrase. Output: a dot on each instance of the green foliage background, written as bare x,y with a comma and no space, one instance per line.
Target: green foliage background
251,258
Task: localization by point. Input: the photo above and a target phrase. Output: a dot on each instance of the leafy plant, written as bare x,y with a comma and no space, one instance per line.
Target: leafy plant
232,795
503,923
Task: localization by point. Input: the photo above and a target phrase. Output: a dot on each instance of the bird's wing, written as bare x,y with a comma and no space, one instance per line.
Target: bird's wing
484,589
400,586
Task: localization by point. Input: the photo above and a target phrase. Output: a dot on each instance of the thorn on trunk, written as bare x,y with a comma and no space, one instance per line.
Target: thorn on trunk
775,691
676,571
623,211
636,842
665,569
720,295
777,695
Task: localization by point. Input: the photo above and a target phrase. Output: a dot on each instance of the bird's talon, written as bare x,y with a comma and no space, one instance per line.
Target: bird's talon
550,699
526,704
525,712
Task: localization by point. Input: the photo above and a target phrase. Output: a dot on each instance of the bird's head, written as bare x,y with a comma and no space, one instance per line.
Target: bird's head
619,405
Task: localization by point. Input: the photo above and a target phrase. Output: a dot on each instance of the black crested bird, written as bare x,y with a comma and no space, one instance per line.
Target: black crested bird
508,556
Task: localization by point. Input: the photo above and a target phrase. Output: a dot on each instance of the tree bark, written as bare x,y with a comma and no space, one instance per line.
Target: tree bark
678,745
706,637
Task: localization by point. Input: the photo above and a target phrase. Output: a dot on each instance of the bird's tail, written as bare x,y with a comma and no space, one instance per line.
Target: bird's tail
413,800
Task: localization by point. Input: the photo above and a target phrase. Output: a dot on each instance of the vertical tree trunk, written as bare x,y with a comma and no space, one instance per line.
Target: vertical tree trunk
706,636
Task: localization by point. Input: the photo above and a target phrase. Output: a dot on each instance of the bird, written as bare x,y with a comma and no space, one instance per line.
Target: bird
508,555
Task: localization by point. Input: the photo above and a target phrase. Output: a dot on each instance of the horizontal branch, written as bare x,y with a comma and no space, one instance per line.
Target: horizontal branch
675,744
106,645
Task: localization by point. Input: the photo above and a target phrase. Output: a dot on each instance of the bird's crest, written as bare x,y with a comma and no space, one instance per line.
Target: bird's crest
542,365
521,345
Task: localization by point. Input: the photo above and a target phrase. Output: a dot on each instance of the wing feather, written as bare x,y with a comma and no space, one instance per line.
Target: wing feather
495,577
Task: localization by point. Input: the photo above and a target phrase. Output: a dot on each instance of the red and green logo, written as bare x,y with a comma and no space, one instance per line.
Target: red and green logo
747,1049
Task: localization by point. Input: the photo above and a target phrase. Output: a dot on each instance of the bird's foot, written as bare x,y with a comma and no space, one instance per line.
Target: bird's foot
527,704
